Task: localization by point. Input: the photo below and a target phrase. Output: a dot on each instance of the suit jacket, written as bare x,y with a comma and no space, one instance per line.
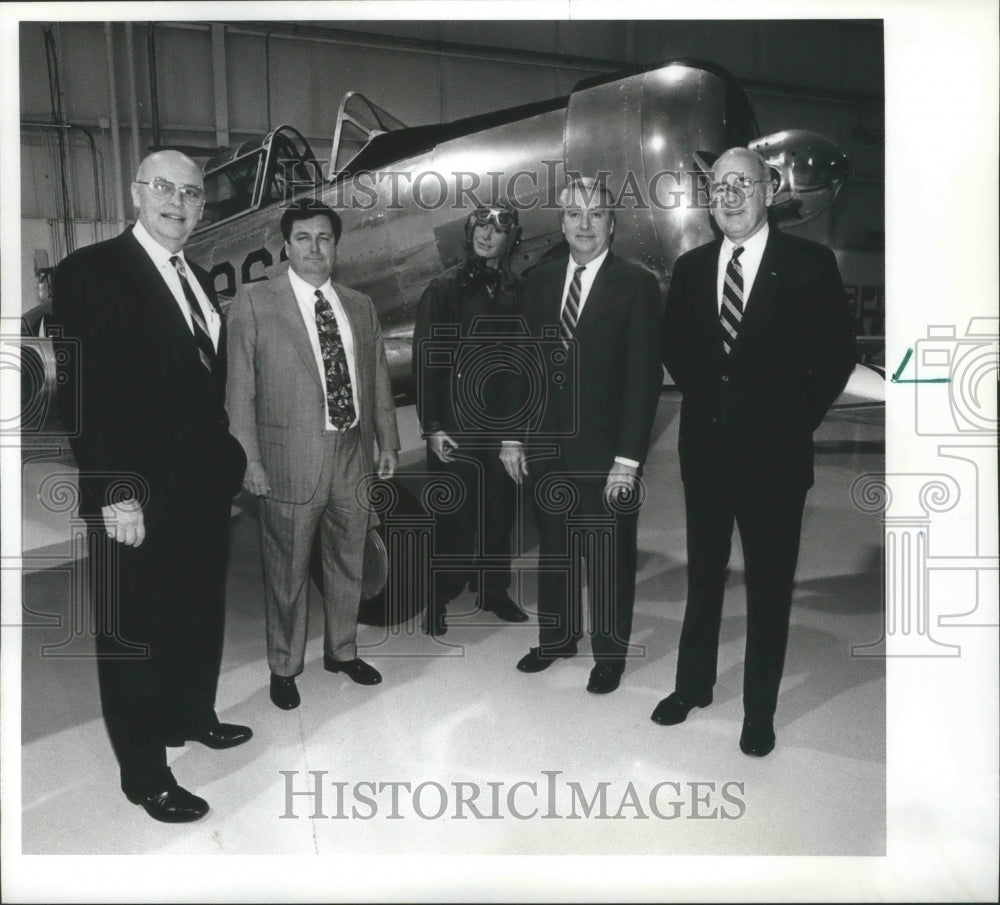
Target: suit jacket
754,411
134,383
275,397
600,399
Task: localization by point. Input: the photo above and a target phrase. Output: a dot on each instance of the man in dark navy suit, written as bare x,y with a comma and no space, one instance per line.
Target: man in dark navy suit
757,337
595,315
158,470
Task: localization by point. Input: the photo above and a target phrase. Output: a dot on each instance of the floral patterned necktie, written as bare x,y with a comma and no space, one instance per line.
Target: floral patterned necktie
339,398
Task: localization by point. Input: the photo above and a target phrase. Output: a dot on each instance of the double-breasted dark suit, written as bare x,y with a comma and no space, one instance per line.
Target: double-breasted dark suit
598,401
152,426
746,442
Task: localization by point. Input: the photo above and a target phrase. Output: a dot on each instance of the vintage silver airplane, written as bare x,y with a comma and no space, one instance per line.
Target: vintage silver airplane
404,193
652,134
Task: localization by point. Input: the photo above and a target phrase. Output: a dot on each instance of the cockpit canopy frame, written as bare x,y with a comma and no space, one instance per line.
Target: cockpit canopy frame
358,122
257,173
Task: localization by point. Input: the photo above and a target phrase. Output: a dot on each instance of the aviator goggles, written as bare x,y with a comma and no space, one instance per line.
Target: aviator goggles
498,216
163,190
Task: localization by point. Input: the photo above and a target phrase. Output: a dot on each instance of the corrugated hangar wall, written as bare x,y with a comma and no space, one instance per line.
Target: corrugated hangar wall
222,83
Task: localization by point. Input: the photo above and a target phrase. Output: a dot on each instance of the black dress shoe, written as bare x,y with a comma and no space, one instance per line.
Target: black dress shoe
535,660
284,694
674,709
433,623
173,805
604,678
222,735
356,670
757,738
502,606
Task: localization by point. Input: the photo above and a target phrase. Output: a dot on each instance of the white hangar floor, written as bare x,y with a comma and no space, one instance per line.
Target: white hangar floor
455,711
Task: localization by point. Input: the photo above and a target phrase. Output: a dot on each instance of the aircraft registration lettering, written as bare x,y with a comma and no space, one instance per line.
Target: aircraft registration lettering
252,270
262,257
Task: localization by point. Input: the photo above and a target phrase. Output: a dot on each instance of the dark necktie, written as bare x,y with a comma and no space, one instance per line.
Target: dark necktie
206,348
571,310
732,299
339,398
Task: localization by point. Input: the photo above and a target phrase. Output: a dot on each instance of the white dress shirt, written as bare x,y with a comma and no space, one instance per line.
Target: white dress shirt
160,257
305,295
753,251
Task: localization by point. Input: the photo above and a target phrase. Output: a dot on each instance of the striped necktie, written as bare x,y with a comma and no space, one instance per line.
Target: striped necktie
732,299
203,339
571,310
339,397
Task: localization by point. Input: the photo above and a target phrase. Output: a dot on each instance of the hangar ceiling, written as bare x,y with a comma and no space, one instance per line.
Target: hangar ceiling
95,96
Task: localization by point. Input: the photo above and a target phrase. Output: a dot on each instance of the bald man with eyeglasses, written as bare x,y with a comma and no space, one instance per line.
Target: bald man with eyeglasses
158,470
758,338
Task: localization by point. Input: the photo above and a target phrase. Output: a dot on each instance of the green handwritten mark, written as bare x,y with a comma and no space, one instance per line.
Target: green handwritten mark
902,366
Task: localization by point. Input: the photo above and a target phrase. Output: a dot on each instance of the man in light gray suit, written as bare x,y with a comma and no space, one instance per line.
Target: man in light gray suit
308,397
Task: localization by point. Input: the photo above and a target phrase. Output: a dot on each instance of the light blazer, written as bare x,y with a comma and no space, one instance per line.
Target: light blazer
601,403
275,397
755,410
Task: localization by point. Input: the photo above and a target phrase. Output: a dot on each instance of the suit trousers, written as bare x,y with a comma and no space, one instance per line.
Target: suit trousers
473,537
769,519
338,510
574,524
159,611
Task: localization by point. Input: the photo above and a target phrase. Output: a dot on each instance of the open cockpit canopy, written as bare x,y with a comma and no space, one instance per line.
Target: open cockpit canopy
258,172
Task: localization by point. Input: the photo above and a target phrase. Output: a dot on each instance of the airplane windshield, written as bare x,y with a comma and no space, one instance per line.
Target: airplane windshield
258,172
358,122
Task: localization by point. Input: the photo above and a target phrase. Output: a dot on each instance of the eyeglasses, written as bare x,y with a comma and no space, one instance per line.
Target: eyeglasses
743,185
163,190
498,216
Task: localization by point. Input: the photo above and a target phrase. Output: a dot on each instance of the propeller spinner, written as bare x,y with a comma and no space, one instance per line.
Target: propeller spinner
808,170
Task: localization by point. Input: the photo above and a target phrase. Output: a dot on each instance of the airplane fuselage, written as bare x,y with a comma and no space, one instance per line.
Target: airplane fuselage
404,218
